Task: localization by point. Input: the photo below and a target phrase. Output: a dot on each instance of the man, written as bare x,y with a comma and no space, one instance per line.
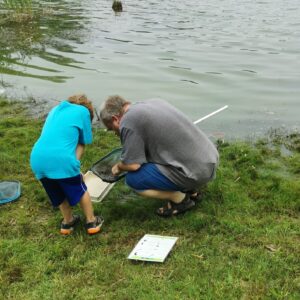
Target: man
166,155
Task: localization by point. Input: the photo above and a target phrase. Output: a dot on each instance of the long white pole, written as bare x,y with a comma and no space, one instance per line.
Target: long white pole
211,114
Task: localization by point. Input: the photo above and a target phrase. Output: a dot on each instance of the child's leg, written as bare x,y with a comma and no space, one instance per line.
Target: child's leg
66,211
75,191
58,198
93,223
87,207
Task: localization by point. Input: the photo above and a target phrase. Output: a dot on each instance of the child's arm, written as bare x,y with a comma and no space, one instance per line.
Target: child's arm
79,151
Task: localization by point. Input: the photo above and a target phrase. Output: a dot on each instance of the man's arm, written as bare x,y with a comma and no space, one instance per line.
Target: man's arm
120,167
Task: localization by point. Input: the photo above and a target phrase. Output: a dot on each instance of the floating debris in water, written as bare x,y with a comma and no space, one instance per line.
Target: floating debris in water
117,6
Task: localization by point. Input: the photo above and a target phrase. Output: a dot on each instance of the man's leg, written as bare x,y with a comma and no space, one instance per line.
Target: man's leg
150,182
174,196
178,202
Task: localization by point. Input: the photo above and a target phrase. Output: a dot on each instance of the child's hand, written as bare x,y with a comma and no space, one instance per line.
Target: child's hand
79,151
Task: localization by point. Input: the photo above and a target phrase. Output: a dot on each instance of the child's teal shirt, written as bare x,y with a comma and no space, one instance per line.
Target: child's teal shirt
54,154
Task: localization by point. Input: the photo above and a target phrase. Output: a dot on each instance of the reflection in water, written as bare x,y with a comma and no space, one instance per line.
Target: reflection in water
199,56
37,32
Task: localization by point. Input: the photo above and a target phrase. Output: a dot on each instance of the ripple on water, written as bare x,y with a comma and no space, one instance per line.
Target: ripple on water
194,54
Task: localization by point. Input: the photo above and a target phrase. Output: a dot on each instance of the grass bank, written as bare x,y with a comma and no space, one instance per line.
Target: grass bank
241,242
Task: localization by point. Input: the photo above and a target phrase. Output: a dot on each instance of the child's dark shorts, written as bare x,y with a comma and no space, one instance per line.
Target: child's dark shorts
70,189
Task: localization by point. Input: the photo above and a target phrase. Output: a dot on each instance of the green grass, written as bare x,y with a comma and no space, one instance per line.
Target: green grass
241,242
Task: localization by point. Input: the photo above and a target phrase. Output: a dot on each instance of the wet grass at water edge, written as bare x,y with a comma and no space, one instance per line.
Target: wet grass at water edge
241,241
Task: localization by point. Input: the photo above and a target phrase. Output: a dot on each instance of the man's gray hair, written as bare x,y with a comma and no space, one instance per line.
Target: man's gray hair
111,107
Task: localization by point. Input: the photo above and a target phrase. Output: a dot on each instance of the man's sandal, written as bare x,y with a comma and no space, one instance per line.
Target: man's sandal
174,209
195,196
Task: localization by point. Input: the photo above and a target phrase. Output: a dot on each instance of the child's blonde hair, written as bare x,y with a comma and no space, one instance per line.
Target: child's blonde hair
82,99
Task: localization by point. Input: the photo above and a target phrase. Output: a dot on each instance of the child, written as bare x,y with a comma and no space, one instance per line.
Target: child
55,161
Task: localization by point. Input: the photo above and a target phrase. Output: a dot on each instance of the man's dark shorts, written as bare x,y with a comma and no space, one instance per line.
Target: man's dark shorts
148,177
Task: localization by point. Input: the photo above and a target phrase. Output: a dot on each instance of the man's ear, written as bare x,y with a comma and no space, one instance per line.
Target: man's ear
116,118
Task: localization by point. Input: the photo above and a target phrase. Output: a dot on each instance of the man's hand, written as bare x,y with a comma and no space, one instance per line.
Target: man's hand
116,170
120,167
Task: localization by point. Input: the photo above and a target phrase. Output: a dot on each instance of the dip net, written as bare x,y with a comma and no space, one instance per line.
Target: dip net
102,168
9,191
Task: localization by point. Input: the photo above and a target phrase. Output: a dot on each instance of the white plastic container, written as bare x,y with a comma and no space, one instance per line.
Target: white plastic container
97,188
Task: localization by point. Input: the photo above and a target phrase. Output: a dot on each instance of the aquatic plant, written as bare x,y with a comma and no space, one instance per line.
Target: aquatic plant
18,5
28,29
18,10
117,6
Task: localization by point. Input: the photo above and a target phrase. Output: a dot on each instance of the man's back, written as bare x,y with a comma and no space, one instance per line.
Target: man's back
155,131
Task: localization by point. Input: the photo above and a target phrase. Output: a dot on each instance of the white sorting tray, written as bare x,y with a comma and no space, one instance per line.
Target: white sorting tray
97,188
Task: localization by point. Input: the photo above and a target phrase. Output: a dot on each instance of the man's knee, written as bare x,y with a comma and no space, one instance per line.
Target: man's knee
132,180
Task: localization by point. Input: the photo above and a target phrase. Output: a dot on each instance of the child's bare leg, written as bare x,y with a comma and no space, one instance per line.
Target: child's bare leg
66,211
87,207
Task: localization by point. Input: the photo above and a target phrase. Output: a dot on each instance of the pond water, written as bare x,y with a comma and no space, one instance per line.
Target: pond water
199,56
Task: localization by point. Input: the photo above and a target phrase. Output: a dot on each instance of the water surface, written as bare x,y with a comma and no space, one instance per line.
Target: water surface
199,56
